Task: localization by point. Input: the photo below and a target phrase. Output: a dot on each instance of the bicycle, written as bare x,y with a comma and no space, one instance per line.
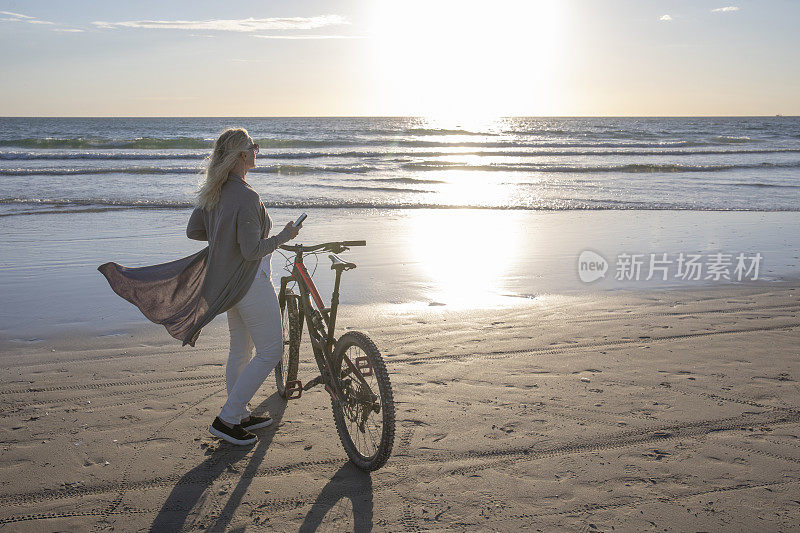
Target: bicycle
351,367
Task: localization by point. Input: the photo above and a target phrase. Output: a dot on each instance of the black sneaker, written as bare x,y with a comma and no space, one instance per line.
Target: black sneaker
234,435
256,422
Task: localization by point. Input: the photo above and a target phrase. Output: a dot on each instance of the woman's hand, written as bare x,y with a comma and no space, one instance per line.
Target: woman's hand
292,229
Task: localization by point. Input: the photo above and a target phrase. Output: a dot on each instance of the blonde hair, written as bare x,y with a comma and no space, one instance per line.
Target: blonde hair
223,158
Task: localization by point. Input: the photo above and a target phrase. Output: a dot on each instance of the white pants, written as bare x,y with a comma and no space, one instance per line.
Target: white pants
254,321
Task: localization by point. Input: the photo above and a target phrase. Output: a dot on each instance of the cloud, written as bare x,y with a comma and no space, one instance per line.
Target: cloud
238,25
19,17
665,18
725,9
309,36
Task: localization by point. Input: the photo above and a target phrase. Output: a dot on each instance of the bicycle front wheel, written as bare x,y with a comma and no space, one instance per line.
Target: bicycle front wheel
286,369
364,416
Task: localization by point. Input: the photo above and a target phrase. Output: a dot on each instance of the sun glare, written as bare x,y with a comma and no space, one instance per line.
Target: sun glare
465,59
465,261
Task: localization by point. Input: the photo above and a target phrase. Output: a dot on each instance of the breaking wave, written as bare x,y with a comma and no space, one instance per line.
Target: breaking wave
44,206
271,169
577,169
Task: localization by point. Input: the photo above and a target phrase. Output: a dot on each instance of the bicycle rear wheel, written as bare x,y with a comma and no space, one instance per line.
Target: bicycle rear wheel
286,369
364,416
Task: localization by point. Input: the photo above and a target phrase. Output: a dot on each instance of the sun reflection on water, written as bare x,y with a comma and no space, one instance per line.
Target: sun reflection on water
465,255
471,188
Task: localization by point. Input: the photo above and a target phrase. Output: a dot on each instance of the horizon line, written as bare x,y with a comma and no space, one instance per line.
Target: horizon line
399,116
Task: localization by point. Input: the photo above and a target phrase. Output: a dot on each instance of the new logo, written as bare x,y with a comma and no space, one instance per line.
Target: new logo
591,266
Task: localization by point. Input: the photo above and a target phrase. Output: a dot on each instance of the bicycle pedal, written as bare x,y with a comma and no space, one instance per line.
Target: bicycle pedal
293,387
363,365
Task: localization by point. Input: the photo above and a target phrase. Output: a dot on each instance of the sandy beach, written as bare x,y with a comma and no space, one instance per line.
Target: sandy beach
578,256
661,410
527,397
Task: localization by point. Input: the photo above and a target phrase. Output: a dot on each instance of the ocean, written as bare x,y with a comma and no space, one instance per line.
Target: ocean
455,215
52,165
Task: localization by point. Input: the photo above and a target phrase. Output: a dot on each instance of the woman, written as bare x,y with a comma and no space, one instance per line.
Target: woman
231,217
232,274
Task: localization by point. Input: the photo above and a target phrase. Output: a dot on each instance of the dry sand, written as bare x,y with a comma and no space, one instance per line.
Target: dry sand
662,410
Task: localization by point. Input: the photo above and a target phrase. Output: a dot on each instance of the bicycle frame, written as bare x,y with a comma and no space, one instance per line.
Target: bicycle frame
321,323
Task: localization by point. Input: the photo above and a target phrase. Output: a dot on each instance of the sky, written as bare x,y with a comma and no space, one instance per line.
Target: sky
445,58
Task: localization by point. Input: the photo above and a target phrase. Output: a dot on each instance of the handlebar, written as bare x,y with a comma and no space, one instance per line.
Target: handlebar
335,247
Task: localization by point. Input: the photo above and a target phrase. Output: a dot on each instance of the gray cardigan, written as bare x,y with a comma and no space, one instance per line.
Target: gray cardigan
186,294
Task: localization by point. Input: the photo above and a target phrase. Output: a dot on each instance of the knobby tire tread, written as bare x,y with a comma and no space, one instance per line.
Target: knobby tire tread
387,403
291,313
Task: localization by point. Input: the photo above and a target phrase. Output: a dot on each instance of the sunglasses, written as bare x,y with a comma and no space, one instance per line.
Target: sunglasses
254,148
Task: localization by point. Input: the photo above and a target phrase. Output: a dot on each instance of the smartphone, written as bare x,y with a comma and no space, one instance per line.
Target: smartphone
300,220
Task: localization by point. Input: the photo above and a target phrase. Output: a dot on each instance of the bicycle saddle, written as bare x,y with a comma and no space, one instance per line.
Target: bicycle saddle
339,263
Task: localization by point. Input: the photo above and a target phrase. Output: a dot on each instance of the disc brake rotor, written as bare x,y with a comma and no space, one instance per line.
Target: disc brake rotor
359,403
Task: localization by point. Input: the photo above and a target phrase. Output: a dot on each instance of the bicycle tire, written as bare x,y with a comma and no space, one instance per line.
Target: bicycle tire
290,331
381,378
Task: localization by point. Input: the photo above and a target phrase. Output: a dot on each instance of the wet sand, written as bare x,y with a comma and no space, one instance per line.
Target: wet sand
628,411
464,258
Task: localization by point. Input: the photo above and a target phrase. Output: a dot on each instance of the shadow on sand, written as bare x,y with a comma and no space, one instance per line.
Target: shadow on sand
192,487
348,482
